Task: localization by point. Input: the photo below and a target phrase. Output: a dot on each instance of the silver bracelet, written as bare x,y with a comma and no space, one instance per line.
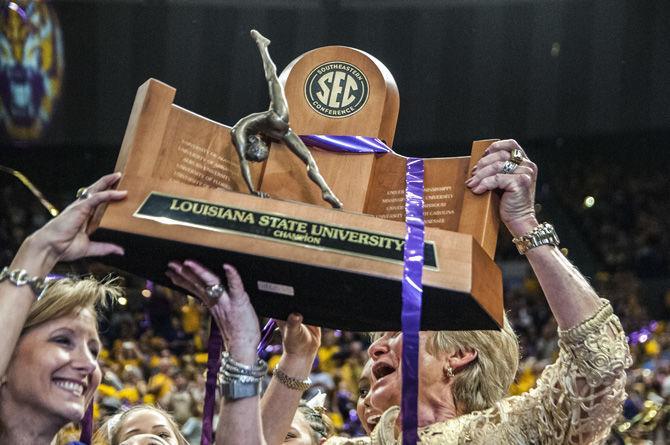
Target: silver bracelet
239,381
19,277
226,376
232,368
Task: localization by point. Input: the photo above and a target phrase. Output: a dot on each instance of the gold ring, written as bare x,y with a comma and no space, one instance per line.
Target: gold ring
83,193
516,156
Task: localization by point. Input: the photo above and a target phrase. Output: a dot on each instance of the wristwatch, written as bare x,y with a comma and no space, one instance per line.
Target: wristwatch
544,234
237,389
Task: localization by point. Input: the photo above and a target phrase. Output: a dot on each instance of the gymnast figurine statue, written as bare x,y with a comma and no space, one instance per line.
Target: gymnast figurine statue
252,134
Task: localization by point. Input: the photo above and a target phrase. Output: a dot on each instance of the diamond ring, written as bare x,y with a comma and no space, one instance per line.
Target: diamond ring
215,291
509,167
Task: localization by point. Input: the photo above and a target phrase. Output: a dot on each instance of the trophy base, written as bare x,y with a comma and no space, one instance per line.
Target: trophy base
330,298
338,269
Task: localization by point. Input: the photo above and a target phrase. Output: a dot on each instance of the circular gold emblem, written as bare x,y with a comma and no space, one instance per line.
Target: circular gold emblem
336,89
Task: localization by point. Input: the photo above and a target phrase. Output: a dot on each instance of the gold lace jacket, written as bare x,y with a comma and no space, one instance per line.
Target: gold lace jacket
575,401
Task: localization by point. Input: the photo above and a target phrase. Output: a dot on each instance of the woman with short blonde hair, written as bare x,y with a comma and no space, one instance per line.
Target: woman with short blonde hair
464,376
48,351
487,379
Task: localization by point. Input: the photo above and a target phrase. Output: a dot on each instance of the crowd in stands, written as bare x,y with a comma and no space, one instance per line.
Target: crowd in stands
155,345
627,221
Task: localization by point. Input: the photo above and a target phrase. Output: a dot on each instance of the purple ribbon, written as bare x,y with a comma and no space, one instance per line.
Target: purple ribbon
214,345
266,335
19,10
345,144
87,425
412,290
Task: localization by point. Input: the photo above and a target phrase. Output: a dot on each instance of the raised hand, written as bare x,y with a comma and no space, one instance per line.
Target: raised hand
65,236
230,307
516,180
298,339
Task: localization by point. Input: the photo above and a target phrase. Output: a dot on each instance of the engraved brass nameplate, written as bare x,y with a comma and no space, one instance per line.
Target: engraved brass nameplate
168,209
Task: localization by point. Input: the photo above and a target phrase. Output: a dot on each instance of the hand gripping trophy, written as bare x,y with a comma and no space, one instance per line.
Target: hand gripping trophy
252,134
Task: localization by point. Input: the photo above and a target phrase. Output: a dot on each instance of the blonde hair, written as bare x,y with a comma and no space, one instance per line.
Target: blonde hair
66,435
67,296
70,295
485,380
320,425
108,433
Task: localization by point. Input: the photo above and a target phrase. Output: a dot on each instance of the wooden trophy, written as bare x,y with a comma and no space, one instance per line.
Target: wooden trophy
340,268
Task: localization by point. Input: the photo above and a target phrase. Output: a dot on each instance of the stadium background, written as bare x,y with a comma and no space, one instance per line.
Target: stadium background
581,84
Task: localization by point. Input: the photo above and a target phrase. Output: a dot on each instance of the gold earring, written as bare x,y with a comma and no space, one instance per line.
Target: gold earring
450,372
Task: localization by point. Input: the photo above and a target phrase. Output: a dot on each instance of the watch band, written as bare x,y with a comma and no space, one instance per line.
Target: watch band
544,234
291,382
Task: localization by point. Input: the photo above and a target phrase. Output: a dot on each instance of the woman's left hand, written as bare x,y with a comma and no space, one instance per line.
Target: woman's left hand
298,339
232,311
517,204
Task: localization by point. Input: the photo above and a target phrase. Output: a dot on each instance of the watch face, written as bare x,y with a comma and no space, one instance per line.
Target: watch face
237,389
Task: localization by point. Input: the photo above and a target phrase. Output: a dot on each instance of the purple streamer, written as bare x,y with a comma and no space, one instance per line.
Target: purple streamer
53,276
214,345
346,144
412,290
266,335
19,10
87,425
